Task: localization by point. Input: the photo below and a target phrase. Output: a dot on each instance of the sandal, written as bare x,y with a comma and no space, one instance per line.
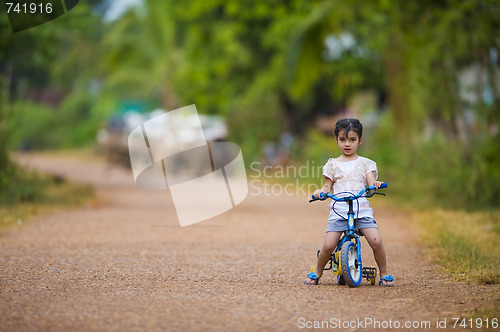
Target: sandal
388,278
314,279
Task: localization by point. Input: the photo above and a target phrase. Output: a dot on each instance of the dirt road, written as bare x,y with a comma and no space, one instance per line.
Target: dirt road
126,264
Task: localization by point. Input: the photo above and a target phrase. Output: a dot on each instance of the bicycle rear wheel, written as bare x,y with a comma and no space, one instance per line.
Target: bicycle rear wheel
351,268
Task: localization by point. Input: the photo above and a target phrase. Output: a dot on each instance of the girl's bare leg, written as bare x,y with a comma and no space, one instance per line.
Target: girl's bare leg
331,240
372,236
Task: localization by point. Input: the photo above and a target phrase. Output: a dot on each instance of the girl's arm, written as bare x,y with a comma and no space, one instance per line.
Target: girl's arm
327,187
370,180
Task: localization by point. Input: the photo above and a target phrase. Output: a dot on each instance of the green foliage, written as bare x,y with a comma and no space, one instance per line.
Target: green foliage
320,147
438,172
421,48
34,126
53,59
76,122
20,189
71,125
139,54
352,67
230,49
244,117
6,167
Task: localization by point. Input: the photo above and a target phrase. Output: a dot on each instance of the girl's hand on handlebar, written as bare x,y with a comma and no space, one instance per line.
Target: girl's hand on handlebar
317,193
377,184
327,187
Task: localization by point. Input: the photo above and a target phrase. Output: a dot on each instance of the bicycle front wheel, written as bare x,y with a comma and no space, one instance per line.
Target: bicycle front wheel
351,268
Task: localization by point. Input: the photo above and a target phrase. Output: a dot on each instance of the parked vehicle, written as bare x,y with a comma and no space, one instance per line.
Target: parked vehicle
112,141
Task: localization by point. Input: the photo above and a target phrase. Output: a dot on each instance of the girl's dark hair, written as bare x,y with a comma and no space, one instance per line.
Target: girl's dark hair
347,125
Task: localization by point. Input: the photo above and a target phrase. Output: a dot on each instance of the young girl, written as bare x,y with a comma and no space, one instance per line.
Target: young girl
350,173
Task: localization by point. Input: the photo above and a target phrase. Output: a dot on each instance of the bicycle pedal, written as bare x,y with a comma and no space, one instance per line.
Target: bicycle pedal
369,272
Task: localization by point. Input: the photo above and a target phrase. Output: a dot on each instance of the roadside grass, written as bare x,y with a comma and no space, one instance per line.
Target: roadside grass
465,244
486,319
35,193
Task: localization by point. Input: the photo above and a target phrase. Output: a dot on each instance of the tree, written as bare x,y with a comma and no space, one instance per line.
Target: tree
41,58
18,58
420,46
141,54
234,63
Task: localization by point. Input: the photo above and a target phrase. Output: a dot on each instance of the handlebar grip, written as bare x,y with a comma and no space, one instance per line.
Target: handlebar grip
383,185
322,197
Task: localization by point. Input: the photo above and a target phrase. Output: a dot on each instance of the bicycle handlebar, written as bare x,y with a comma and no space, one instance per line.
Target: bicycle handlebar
323,196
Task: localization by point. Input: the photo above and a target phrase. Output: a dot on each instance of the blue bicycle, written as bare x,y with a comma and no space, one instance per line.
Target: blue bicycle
345,261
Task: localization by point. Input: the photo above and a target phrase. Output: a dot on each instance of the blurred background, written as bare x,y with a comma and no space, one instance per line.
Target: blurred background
272,76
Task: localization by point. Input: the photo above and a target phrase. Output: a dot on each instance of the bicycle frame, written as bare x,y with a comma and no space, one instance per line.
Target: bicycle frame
349,235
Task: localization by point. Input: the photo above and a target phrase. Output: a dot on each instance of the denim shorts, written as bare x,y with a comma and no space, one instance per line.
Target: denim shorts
340,225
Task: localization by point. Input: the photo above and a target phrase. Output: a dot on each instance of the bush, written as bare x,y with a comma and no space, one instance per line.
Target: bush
34,126
21,187
71,125
439,172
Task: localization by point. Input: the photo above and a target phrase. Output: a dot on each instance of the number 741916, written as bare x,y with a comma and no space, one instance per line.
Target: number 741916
475,323
29,8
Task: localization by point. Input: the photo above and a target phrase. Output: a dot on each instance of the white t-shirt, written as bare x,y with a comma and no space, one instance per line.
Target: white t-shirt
350,177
